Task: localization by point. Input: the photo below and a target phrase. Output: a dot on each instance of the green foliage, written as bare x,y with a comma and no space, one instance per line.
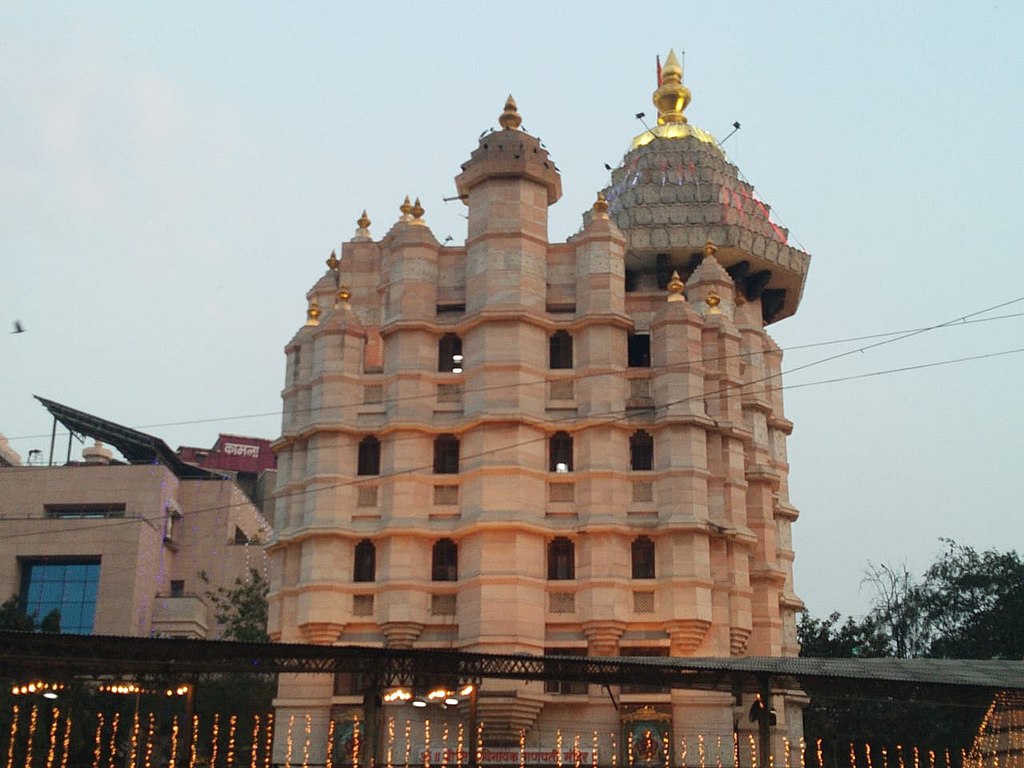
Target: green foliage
242,610
13,616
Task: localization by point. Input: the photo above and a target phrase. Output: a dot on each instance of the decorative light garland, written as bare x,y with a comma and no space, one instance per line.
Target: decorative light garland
460,745
820,755
268,750
14,732
289,743
193,744
558,748
444,746
408,741
355,740
426,743
785,753
255,747
595,750
736,750
629,750
134,740
307,732
32,719
480,743
97,750
576,754
853,756
753,750
391,743
718,752
867,754
214,738
700,750
682,752
173,758
329,758
51,752
114,726
150,730
66,742
232,725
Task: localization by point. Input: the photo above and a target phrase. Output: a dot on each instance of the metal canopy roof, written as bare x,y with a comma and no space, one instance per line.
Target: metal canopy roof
137,447
935,680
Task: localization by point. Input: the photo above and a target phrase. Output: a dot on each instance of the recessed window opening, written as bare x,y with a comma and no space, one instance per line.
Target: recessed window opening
449,354
446,455
641,451
365,567
369,456
560,452
561,560
643,557
560,350
445,561
639,347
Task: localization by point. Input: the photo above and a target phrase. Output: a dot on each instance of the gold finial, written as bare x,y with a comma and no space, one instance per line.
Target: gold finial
676,287
713,300
313,313
709,249
672,96
417,210
332,262
363,232
510,119
406,209
344,294
600,206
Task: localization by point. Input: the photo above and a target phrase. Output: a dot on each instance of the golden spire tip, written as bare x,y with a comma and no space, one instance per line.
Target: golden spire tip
510,119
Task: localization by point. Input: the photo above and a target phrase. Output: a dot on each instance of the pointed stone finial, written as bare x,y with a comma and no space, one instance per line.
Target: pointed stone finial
671,97
676,287
710,249
510,119
406,209
600,207
313,313
363,232
417,212
332,262
713,300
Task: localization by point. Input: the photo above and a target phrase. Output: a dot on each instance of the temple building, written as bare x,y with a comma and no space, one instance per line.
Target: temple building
512,445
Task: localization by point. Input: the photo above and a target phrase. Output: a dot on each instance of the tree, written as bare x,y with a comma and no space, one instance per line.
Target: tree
242,610
974,604
13,616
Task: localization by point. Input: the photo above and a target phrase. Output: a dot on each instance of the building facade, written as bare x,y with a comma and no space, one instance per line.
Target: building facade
122,547
518,446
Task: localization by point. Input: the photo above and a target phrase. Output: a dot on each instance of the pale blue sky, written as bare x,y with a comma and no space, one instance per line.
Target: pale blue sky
173,175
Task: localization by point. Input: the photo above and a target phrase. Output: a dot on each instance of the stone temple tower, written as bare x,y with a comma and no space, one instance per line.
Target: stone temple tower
518,446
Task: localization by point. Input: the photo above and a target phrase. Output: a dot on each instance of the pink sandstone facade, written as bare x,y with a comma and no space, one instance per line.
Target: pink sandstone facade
518,446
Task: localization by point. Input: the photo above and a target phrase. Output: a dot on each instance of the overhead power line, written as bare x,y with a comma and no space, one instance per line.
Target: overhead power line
115,522
964,320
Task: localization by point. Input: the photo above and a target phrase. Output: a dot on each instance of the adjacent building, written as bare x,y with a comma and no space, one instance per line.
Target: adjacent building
519,446
124,546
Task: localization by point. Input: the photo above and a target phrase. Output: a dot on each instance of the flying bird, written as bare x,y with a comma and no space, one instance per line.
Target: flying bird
18,327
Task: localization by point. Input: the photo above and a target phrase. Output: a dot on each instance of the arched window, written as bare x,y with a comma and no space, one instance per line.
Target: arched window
449,354
445,561
643,558
446,455
369,456
561,559
365,562
560,350
560,452
641,451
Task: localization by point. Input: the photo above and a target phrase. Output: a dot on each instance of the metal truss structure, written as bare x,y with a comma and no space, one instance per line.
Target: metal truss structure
24,655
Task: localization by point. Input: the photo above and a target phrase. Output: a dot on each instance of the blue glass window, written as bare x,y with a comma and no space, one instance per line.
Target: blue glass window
66,586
